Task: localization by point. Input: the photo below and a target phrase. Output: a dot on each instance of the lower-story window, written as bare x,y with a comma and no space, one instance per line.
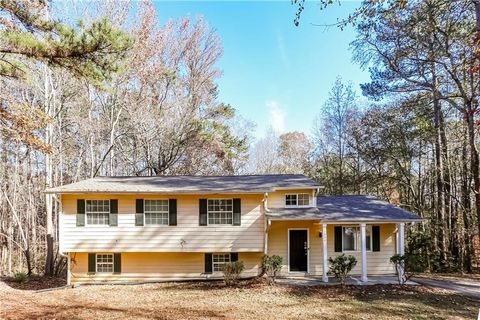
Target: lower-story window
219,260
104,262
352,240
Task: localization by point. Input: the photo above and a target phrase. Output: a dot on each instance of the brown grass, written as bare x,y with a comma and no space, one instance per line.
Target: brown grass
250,300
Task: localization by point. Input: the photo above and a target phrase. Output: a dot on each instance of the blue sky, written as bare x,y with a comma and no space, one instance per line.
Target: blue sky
275,74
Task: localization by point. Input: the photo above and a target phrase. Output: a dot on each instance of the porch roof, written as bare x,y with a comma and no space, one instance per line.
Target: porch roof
351,208
362,209
311,213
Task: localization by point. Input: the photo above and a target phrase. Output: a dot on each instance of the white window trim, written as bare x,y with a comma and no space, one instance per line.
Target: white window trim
214,263
86,213
360,244
297,205
96,262
157,225
208,213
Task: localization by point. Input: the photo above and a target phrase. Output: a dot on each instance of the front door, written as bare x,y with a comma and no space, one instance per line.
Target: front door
298,250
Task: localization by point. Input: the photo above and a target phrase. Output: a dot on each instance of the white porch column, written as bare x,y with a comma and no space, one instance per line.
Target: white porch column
363,232
325,253
401,238
401,245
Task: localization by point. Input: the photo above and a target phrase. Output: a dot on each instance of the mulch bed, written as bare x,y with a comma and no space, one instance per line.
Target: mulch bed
35,283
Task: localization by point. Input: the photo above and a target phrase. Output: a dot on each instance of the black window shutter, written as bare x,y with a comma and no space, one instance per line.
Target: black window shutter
80,212
234,256
113,216
117,263
338,239
208,263
139,212
202,212
237,212
91,263
376,238
172,212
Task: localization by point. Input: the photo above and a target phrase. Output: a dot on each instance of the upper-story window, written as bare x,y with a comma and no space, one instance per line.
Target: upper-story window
299,199
97,211
220,211
156,212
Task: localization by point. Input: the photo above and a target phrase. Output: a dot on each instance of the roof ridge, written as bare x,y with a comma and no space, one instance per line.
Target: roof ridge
205,175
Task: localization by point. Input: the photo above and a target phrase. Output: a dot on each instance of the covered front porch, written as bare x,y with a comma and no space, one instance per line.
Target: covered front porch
365,227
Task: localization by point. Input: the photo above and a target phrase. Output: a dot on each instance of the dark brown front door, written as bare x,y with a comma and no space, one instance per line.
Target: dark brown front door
298,250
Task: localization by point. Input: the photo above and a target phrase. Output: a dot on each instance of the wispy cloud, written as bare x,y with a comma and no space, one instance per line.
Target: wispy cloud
277,116
283,51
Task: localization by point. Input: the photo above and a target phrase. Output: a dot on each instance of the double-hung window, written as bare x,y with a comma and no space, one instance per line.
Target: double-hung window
156,212
299,199
97,211
220,211
104,263
219,260
352,240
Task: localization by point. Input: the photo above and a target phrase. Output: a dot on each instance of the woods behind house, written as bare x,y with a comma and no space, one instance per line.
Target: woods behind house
122,93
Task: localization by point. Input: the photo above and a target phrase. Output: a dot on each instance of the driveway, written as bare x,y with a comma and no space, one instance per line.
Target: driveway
467,287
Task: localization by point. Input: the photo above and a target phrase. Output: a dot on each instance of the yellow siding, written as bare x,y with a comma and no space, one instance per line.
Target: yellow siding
277,199
157,266
377,262
187,236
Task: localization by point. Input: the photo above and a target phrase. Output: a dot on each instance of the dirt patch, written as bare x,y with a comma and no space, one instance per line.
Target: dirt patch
35,283
251,299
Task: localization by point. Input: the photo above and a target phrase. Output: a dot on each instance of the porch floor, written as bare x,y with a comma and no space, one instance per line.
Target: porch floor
352,280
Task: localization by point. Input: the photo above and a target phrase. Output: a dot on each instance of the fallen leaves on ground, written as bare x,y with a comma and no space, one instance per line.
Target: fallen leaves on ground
252,299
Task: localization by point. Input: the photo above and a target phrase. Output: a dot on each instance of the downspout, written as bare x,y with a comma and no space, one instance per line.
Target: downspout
268,223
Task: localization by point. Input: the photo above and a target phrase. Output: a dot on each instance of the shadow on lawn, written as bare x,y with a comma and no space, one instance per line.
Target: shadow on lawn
393,299
212,285
81,311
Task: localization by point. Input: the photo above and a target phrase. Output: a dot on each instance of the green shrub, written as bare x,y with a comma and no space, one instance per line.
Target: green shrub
271,266
20,277
407,265
232,271
341,266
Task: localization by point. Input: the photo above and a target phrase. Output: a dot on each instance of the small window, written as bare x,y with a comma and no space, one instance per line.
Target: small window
97,211
352,239
156,212
105,263
220,211
219,261
301,199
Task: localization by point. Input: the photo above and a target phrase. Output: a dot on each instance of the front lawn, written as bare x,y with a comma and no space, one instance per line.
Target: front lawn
251,300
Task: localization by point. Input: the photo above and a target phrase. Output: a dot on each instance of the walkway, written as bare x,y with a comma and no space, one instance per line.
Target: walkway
467,287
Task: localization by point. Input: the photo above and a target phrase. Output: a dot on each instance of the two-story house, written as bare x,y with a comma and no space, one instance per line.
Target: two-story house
122,229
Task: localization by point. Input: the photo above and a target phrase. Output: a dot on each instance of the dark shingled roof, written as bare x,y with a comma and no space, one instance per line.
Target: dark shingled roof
189,184
361,208
345,209
294,214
